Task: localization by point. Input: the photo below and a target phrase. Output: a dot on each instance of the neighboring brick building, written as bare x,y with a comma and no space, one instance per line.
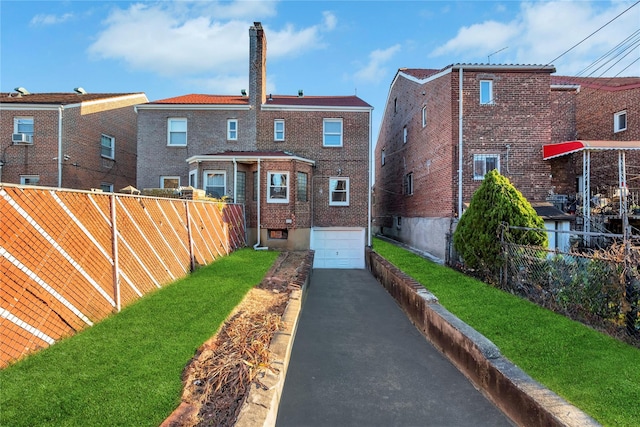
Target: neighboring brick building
300,164
74,140
435,146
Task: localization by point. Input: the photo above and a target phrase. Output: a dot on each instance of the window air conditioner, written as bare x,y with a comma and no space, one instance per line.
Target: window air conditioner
21,138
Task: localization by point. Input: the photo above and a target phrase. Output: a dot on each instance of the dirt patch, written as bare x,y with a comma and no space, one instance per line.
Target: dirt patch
218,378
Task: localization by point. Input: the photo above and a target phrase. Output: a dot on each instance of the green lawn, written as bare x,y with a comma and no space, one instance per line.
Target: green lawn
595,372
125,370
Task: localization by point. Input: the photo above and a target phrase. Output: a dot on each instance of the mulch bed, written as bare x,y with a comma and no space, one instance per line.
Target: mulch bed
220,375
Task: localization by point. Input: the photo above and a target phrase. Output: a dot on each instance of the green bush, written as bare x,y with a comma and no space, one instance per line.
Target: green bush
495,202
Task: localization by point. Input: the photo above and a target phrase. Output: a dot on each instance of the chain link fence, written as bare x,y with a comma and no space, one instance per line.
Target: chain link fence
595,281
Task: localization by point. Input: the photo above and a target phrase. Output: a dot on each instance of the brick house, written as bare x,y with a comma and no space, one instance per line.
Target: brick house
75,140
605,146
435,146
299,163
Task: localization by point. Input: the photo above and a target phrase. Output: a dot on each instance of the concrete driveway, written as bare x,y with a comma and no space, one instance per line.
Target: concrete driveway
358,361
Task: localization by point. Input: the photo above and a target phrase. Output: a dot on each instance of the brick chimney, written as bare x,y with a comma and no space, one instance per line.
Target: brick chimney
257,66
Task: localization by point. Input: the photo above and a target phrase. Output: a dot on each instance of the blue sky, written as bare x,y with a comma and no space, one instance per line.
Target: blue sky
172,48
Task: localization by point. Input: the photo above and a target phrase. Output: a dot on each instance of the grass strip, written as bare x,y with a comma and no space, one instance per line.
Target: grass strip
126,370
593,371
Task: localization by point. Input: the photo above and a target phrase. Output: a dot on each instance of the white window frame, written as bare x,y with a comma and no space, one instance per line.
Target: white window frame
164,178
193,178
408,184
278,134
333,181
326,133
207,173
25,179
170,131
489,89
111,148
424,116
616,121
478,175
17,122
287,187
232,129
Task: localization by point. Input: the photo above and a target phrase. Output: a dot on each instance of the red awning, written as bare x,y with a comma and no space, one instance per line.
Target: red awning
549,151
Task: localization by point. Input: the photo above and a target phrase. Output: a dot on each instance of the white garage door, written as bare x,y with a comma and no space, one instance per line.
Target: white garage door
338,247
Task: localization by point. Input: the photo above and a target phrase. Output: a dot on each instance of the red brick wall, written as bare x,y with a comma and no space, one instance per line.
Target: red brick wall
596,107
33,159
82,127
428,152
206,134
515,127
304,137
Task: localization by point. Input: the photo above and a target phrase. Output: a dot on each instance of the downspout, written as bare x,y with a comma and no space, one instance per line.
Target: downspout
235,180
60,155
371,166
460,76
257,245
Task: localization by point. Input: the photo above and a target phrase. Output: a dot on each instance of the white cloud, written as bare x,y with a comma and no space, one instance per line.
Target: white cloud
374,71
192,38
42,19
545,32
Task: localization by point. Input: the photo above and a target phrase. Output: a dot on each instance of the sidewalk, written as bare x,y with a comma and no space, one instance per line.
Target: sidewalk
358,361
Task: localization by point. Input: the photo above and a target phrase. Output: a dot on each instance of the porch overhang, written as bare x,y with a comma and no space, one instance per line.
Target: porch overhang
550,151
248,157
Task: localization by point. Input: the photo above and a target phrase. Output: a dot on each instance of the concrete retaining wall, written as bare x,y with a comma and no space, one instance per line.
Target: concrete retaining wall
518,395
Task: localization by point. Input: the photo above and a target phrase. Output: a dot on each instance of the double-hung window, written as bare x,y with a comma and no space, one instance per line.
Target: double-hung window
23,127
278,130
339,191
215,184
620,121
107,146
278,187
486,92
332,133
177,132
483,163
232,129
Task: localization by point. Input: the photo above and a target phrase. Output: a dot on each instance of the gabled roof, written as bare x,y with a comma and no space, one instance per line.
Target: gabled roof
550,151
58,98
602,83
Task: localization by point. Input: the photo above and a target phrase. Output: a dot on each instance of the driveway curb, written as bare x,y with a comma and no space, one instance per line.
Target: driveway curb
519,396
261,405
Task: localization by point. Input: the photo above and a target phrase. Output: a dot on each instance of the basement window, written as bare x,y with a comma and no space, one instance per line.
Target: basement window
278,234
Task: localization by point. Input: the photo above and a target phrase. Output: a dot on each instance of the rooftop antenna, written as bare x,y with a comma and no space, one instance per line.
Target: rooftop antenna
497,51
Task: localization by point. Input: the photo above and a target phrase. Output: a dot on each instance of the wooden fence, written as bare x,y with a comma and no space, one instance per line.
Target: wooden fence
70,258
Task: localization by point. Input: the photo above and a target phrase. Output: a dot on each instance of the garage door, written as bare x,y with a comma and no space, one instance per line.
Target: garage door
338,247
